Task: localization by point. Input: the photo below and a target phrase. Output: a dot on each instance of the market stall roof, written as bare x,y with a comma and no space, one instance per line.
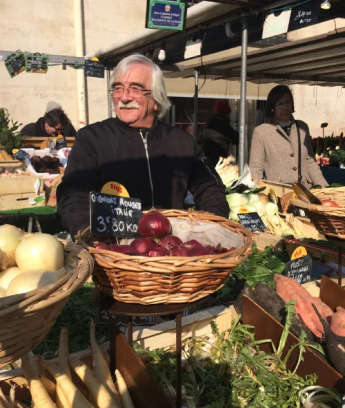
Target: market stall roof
197,15
319,59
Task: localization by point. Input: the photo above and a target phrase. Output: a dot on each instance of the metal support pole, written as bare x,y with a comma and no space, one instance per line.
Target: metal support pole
109,95
242,154
178,360
130,331
196,96
340,266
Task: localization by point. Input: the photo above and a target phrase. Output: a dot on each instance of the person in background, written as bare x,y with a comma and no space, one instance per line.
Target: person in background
275,150
53,123
154,162
216,139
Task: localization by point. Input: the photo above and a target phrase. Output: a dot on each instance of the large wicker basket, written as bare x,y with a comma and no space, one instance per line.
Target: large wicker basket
26,319
144,280
327,220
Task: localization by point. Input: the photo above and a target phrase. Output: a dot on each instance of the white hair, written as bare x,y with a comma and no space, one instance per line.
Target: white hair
158,91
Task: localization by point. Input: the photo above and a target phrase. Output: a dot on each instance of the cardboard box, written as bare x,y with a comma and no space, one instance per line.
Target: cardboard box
51,191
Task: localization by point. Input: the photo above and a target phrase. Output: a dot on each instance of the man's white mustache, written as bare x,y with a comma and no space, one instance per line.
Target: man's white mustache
129,105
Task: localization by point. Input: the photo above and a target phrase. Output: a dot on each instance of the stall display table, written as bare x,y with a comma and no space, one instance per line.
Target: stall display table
130,310
29,215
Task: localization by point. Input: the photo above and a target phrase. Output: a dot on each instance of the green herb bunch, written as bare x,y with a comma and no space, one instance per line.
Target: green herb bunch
228,370
10,138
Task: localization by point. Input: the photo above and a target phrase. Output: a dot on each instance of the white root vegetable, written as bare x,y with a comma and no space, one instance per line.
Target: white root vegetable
30,280
12,396
40,251
73,396
100,366
7,276
39,394
10,238
100,394
123,390
63,364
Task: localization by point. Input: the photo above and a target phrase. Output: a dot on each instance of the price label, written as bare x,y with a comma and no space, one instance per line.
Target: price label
94,69
114,216
299,252
300,269
252,221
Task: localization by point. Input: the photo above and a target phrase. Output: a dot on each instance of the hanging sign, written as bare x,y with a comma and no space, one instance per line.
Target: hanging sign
114,216
94,69
252,221
36,63
15,64
166,14
276,24
304,15
300,269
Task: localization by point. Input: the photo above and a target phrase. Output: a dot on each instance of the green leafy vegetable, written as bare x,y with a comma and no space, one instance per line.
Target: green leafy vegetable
228,370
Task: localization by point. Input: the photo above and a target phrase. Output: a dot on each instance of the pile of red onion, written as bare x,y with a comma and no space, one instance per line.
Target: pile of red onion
157,240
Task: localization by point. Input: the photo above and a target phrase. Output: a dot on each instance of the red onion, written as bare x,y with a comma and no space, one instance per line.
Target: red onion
102,245
179,251
142,245
123,249
170,241
154,225
192,243
199,250
159,251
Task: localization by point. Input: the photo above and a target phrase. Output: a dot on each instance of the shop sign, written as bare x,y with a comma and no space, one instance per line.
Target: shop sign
166,14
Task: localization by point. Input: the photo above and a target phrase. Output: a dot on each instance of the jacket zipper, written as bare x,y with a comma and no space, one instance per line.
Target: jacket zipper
208,168
144,138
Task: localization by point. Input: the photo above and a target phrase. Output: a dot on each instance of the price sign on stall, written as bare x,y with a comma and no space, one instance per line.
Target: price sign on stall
300,269
114,216
252,221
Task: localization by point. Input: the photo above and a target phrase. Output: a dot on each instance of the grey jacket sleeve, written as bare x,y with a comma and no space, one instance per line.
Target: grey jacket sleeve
314,170
257,156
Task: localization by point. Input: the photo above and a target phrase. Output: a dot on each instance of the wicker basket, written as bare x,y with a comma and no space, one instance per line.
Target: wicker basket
26,319
327,220
167,279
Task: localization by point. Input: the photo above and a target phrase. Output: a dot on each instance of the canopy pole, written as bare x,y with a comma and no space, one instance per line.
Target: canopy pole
196,96
110,111
242,154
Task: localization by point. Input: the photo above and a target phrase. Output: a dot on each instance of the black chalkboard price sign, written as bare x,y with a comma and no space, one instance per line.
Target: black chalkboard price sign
94,69
252,221
300,269
114,216
15,64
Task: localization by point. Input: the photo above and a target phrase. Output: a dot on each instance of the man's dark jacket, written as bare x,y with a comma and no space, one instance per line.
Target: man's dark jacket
112,151
37,129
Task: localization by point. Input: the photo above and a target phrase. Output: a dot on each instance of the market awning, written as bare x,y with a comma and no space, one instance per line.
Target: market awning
315,60
197,15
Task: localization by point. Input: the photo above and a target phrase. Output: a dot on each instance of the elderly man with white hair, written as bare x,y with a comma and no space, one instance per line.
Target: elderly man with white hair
155,162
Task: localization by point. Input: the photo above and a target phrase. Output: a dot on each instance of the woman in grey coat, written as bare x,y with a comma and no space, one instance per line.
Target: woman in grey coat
275,147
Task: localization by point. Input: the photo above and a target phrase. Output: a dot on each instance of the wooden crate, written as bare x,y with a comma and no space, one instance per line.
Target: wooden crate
144,390
279,188
15,192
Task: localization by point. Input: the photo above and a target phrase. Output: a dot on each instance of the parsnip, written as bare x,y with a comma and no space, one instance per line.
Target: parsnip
100,394
123,390
100,366
73,396
39,394
3,400
61,401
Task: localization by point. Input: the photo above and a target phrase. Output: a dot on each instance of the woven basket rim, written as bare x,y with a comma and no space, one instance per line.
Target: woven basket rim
334,211
211,261
41,298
